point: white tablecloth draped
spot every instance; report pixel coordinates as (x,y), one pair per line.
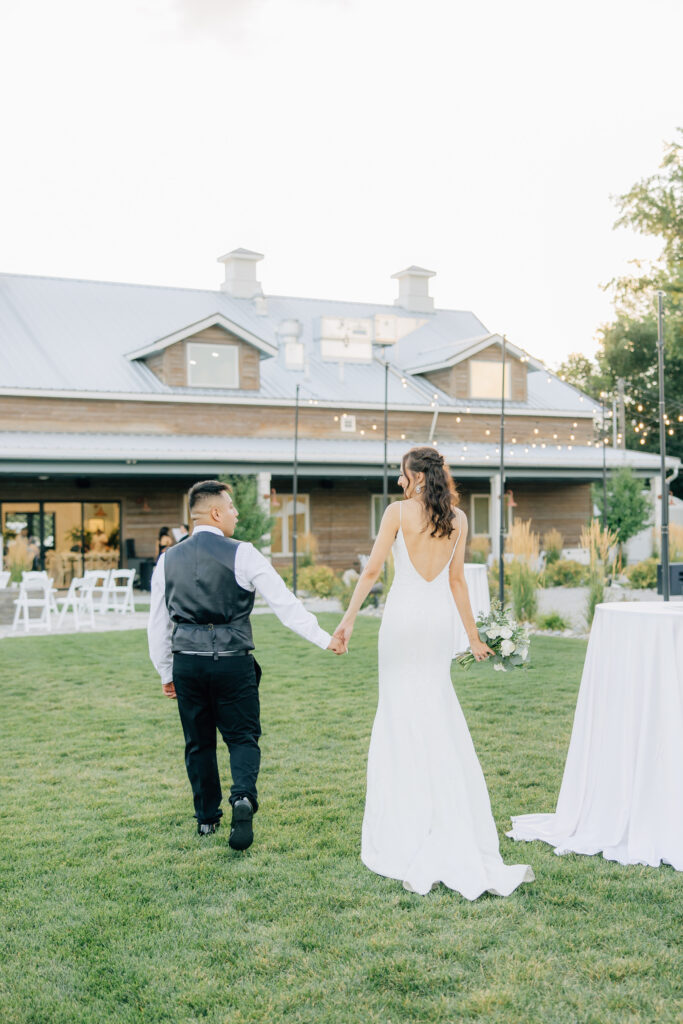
(476,577)
(622,790)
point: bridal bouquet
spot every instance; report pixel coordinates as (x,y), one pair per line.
(509,639)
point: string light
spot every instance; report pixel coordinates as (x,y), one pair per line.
(572,437)
(336,419)
(554,437)
(457,419)
(487,432)
(403,437)
(374,426)
(362,431)
(514,440)
(535,430)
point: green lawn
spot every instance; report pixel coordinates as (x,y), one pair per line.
(112,910)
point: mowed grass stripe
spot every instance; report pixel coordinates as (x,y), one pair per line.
(113,911)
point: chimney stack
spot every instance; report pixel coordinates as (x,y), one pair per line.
(413,289)
(240,274)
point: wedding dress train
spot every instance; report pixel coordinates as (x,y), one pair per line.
(427,814)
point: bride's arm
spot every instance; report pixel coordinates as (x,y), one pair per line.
(461,594)
(380,550)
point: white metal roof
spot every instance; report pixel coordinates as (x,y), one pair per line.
(130,449)
(70,336)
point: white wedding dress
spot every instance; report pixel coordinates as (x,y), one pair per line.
(427,813)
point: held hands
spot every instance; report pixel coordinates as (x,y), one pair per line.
(337,645)
(342,635)
(169,690)
(479,649)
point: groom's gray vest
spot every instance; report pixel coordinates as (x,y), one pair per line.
(209,610)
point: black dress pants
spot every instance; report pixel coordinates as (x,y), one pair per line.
(219,694)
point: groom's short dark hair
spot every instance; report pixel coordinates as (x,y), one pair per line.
(206,489)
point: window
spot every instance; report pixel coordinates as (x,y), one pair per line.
(348,423)
(480,515)
(485,379)
(212,366)
(282,508)
(376,511)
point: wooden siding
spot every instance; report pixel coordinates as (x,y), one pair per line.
(170,366)
(225,419)
(455,380)
(565,507)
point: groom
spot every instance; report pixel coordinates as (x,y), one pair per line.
(200,642)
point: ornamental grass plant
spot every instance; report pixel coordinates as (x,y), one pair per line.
(522,545)
(600,542)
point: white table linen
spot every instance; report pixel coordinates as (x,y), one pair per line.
(622,790)
(476,577)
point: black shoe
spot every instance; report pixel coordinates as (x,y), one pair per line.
(241,831)
(208,829)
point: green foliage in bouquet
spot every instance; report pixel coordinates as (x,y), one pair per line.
(506,637)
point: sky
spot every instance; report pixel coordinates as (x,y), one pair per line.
(344,140)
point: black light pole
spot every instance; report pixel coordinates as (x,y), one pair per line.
(385,484)
(295,486)
(501,539)
(662,449)
(603,441)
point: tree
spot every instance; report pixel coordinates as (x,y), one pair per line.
(581,372)
(254,522)
(628,350)
(628,508)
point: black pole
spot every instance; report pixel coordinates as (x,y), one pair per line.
(603,442)
(385,481)
(385,485)
(501,539)
(662,448)
(295,486)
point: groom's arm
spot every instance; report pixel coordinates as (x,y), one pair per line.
(159,629)
(254,572)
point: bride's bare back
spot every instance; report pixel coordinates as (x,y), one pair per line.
(429,555)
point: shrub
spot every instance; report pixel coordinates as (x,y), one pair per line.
(642,575)
(479,549)
(552,620)
(286,573)
(523,583)
(675,542)
(565,573)
(317,579)
(553,542)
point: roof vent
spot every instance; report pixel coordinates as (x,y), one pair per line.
(413,289)
(240,274)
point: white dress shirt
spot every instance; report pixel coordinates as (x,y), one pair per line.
(252,572)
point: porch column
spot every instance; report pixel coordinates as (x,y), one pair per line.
(263,490)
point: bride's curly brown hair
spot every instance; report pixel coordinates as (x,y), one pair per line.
(440,493)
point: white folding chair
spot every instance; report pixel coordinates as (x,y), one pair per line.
(100,584)
(35,576)
(33,593)
(4,579)
(79,599)
(119,596)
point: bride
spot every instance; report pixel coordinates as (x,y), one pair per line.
(427,813)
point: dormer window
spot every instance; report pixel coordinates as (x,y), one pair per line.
(486,378)
(212,366)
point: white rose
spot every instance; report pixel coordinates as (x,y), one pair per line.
(499,668)
(493,633)
(506,632)
(506,648)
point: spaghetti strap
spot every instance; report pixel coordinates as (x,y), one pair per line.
(456,539)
